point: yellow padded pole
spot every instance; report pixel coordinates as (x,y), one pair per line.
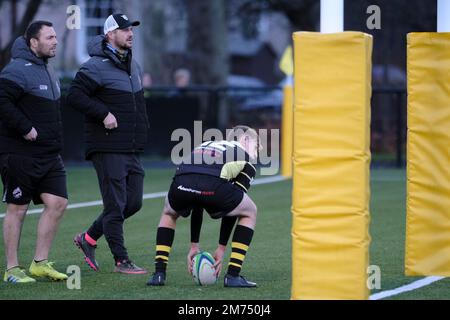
(427,249)
(330,211)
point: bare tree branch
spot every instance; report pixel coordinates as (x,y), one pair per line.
(30,12)
(207,46)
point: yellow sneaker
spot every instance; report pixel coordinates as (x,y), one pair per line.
(17,275)
(45,269)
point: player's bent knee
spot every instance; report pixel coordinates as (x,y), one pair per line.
(169,211)
(168,219)
(253,212)
(251,208)
(170,214)
(253,215)
(254,208)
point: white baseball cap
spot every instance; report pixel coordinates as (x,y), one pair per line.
(118,21)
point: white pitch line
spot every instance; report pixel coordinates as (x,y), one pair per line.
(409,287)
(155,195)
(268,180)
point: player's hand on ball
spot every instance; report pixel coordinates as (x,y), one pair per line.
(110,121)
(218,256)
(195,248)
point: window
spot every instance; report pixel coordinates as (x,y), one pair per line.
(94,14)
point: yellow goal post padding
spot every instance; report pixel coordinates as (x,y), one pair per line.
(331,159)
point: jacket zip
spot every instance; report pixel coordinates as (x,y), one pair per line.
(135,111)
(51,82)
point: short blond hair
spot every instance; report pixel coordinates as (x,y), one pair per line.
(237,132)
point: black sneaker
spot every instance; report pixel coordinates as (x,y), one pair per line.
(157,279)
(87,249)
(128,267)
(237,282)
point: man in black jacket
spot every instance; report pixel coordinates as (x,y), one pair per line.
(30,143)
(108,91)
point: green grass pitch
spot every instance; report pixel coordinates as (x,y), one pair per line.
(268,261)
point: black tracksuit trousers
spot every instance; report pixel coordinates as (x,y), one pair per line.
(121,180)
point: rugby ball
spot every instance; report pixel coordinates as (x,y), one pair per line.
(203,269)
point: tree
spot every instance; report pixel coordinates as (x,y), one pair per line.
(30,12)
(154,35)
(207,41)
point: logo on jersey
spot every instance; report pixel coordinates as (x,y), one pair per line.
(43,87)
(218,150)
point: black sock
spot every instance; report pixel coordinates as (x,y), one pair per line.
(241,240)
(164,241)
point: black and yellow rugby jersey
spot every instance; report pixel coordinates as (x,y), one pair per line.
(225,159)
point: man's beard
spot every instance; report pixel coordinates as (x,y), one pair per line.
(50,55)
(125,46)
(47,55)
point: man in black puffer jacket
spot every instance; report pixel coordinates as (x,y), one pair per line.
(30,143)
(108,91)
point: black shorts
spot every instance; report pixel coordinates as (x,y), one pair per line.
(26,178)
(217,196)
